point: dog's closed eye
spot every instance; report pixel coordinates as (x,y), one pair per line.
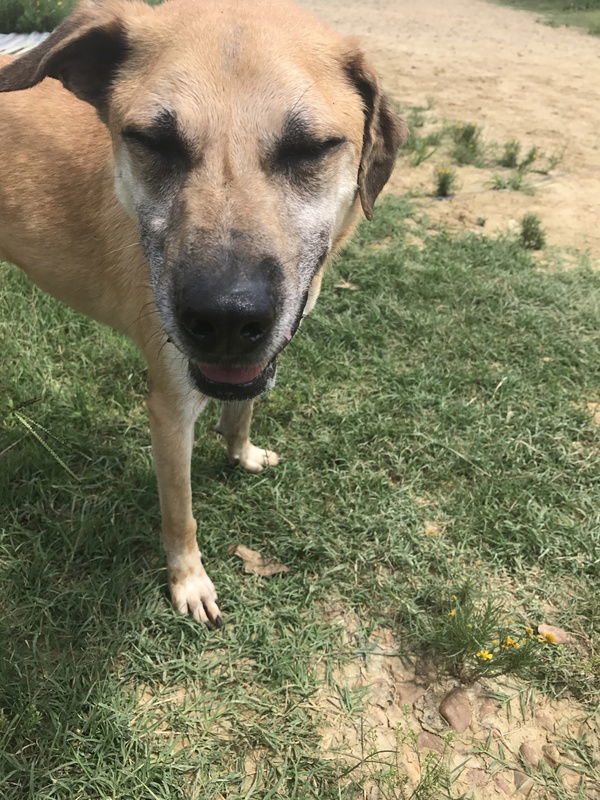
(161,138)
(161,145)
(307,150)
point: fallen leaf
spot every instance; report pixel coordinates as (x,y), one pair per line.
(432,529)
(257,564)
(346,285)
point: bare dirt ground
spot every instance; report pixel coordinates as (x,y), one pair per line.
(501,69)
(518,79)
(504,740)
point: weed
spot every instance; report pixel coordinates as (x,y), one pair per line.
(515,182)
(445,181)
(471,639)
(510,154)
(533,155)
(468,147)
(551,162)
(423,147)
(532,235)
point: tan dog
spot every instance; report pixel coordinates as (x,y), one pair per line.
(220,156)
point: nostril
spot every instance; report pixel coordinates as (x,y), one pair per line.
(199,328)
(252,331)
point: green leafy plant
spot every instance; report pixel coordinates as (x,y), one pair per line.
(533,154)
(24,16)
(532,236)
(468,145)
(472,637)
(515,182)
(445,181)
(510,154)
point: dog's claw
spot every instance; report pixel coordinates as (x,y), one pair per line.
(193,592)
(218,622)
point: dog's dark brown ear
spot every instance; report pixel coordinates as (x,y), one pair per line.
(383,134)
(83,53)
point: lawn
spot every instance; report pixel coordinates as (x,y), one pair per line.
(435,417)
(580,13)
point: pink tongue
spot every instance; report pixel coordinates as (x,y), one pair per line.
(230,374)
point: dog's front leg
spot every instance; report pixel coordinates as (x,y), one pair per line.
(234,426)
(173,409)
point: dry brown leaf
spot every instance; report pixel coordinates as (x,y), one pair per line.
(257,564)
(432,528)
(346,285)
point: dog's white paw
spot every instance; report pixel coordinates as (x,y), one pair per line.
(254,459)
(193,592)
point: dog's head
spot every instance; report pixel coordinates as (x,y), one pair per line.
(245,137)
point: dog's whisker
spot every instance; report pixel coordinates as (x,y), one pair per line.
(124,247)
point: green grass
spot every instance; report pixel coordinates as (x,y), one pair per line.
(450,388)
(580,13)
(514,181)
(468,144)
(532,234)
(444,181)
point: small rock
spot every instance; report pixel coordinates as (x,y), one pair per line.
(551,754)
(426,711)
(477,777)
(408,692)
(503,784)
(413,772)
(455,708)
(529,754)
(430,741)
(560,635)
(488,706)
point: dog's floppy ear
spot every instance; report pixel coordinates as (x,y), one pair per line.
(384,132)
(83,53)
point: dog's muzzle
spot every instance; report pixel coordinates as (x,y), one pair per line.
(241,383)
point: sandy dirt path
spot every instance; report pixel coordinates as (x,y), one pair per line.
(501,69)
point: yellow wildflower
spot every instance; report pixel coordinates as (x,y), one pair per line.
(529,632)
(547,638)
(510,642)
(452,612)
(484,655)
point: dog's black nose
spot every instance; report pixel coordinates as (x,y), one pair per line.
(226,325)
(228,314)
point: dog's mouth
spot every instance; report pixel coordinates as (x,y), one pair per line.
(233,383)
(241,383)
